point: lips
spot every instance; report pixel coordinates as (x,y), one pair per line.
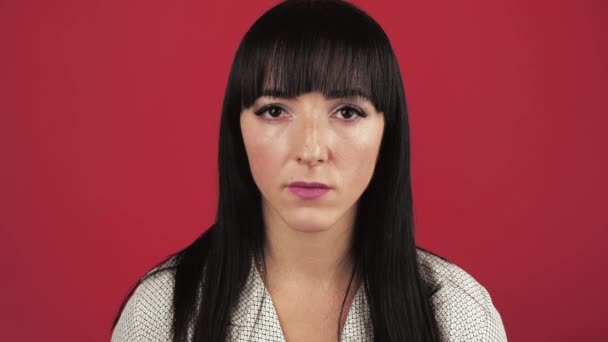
(308,190)
(316,185)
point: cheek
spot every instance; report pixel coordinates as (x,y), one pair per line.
(263,162)
(359,159)
(264,155)
(359,164)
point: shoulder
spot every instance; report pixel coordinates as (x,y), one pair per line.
(148,313)
(463,307)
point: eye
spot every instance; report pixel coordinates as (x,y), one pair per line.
(273,111)
(351,113)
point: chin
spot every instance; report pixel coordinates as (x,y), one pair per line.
(307,218)
(307,222)
(309,228)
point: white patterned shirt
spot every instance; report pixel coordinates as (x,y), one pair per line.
(463,309)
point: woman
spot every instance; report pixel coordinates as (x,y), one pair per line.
(313,239)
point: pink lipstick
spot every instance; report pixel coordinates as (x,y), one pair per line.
(308,190)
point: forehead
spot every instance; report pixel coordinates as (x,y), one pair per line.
(336,70)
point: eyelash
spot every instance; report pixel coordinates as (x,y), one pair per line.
(358,113)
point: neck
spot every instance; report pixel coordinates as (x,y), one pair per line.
(321,258)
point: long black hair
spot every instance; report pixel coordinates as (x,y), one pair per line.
(299,46)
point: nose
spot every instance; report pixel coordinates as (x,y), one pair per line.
(311,147)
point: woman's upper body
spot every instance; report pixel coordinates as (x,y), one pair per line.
(314,172)
(463,309)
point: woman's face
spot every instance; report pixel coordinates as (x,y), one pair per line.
(311,138)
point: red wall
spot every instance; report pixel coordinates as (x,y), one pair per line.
(108,139)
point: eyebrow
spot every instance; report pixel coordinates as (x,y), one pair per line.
(354,94)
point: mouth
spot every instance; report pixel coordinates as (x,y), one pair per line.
(308,190)
(308,193)
(309,185)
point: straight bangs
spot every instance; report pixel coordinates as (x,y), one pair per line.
(321,47)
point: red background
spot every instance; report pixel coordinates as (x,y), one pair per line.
(108,142)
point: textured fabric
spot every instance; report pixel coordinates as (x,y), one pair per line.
(463,309)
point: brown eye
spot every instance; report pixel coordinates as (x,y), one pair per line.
(350,113)
(273,111)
